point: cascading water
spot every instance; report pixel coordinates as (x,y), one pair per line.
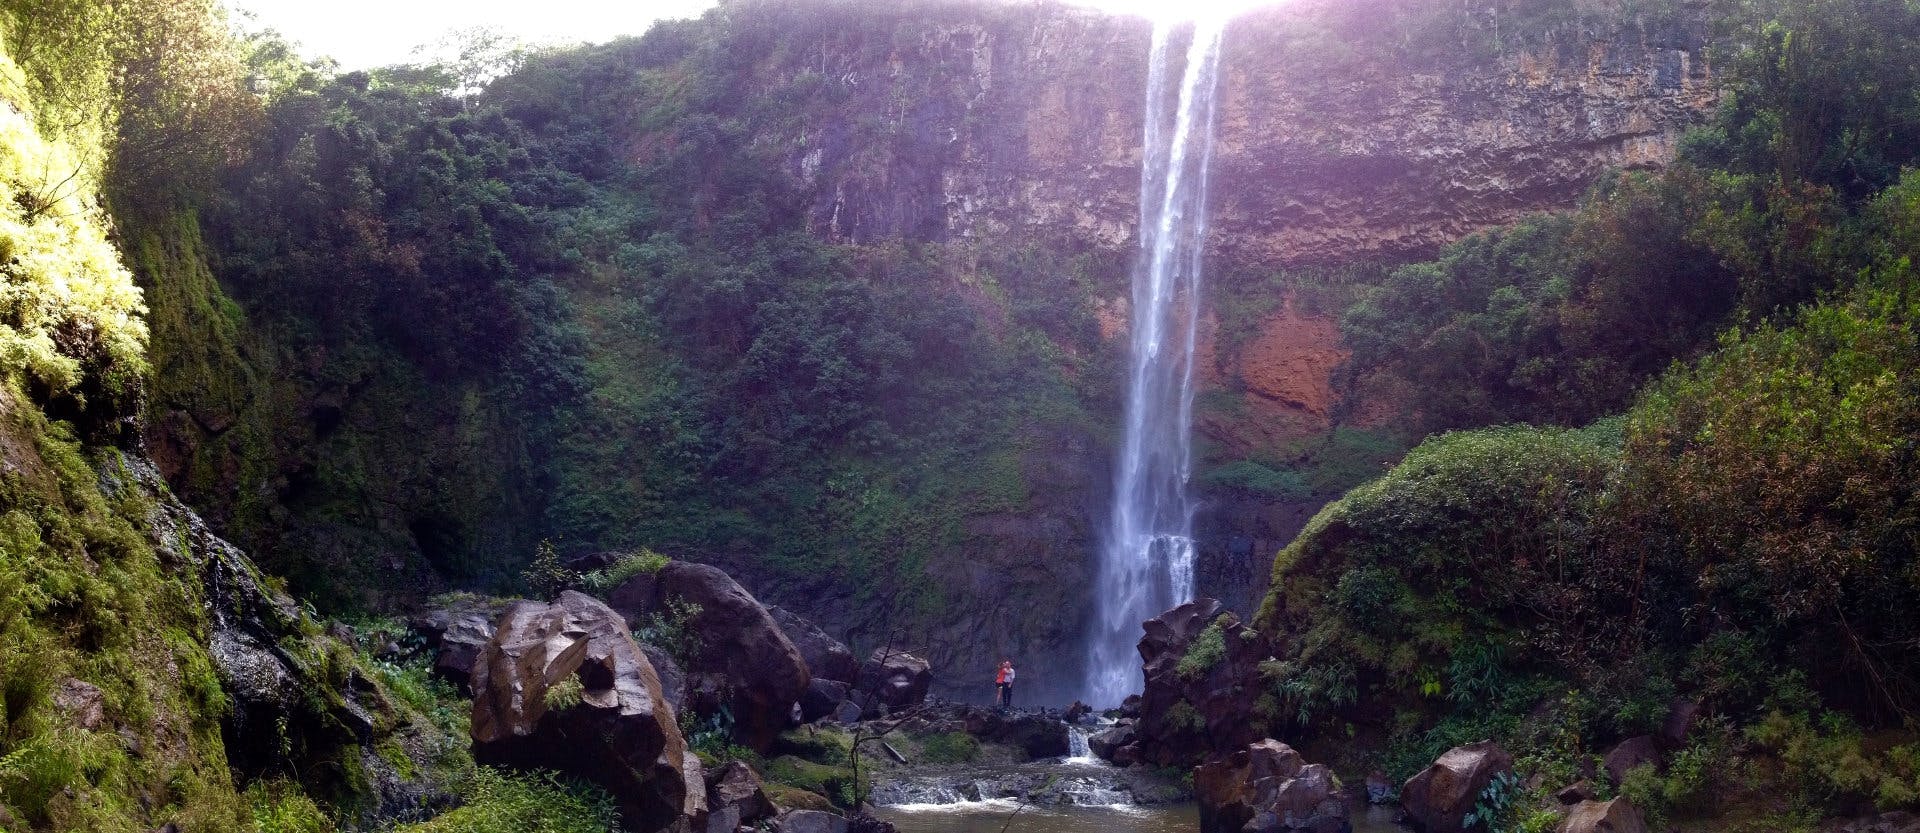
(1146,556)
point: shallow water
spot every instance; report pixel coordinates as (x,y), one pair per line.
(993,816)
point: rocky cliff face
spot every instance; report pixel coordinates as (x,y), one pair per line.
(1342,139)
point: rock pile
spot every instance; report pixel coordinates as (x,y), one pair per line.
(1267,787)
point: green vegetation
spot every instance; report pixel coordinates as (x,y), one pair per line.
(1206,651)
(500,802)
(949,748)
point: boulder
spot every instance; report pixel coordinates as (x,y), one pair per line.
(811,821)
(83,704)
(1105,742)
(1616,816)
(616,730)
(1076,711)
(1576,792)
(1630,754)
(1127,755)
(673,681)
(456,632)
(822,699)
(826,657)
(1267,786)
(763,673)
(1440,796)
(1038,735)
(737,789)
(1682,716)
(1186,719)
(847,713)
(897,679)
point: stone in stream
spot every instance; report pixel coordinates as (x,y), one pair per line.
(1616,816)
(1438,799)
(1105,742)
(1268,787)
(743,654)
(615,731)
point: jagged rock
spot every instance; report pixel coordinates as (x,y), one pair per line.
(1105,742)
(1576,792)
(1616,816)
(811,821)
(823,698)
(1630,754)
(897,679)
(83,704)
(1076,711)
(620,735)
(1440,796)
(1184,719)
(1268,787)
(764,675)
(736,788)
(724,820)
(826,657)
(456,633)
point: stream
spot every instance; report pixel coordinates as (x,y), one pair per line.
(1075,794)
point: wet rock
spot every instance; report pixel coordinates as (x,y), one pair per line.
(826,657)
(1267,786)
(822,699)
(1616,816)
(81,703)
(1185,719)
(456,633)
(735,788)
(1630,754)
(616,731)
(1076,711)
(764,674)
(1440,796)
(811,821)
(1108,741)
(897,679)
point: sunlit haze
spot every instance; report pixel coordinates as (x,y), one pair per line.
(340,29)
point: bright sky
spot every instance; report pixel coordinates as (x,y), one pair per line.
(368,33)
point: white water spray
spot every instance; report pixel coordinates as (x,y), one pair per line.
(1146,556)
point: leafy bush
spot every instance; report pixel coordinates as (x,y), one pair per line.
(602,582)
(1208,648)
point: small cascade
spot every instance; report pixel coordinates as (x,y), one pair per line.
(1079,752)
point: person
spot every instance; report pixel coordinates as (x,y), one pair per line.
(1004,683)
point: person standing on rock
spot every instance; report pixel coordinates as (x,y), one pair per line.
(1003,683)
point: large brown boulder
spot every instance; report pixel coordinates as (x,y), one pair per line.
(895,678)
(609,724)
(1616,816)
(1439,798)
(739,643)
(827,658)
(1204,713)
(1267,786)
(1629,755)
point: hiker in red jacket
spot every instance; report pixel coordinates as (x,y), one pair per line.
(1003,685)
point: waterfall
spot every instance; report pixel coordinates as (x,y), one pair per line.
(1146,554)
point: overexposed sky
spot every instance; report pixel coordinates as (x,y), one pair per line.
(369,33)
